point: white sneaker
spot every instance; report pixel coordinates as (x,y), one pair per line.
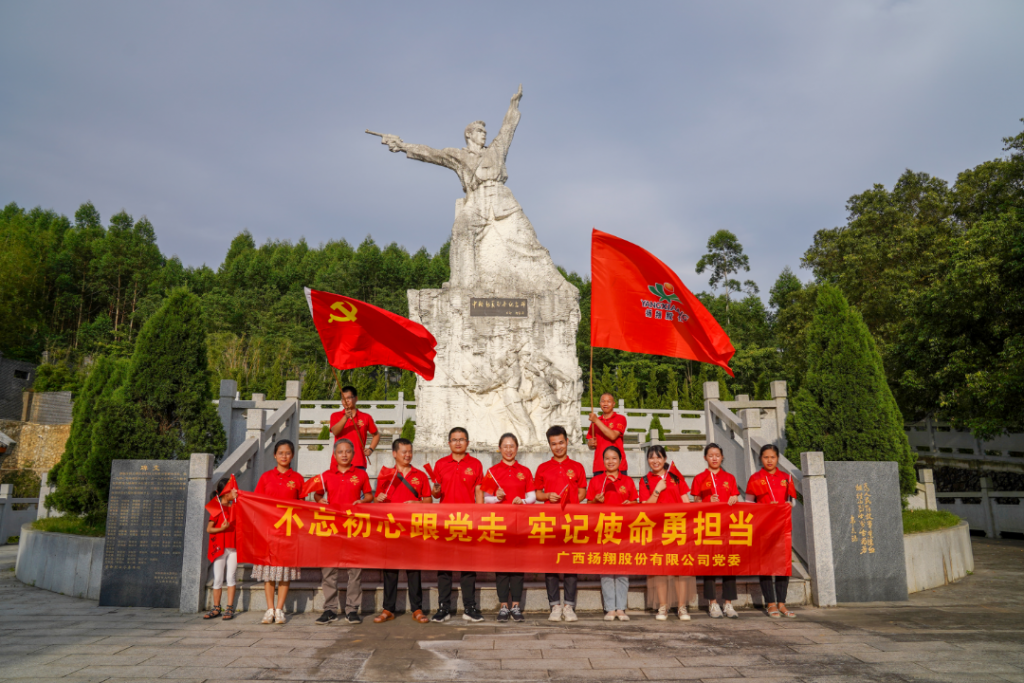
(730,612)
(683,614)
(662,613)
(279,616)
(556,613)
(610,616)
(568,613)
(714,611)
(268,617)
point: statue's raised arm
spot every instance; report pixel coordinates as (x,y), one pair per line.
(503,139)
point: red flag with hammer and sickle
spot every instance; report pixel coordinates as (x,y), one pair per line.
(356,334)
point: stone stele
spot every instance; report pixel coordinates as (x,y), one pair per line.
(506,321)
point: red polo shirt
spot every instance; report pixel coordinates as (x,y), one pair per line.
(705,486)
(355,430)
(515,480)
(399,492)
(222,541)
(552,476)
(615,492)
(281,485)
(771,488)
(345,488)
(672,494)
(459,479)
(616,423)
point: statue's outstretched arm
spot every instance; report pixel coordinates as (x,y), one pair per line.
(441,157)
(508,127)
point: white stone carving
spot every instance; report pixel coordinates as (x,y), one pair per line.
(495,374)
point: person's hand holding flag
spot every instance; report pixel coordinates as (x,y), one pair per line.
(314,485)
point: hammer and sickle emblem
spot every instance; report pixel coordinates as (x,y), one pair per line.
(348,314)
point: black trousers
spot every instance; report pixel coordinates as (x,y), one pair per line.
(551,583)
(728,587)
(391,590)
(510,586)
(444,590)
(773,587)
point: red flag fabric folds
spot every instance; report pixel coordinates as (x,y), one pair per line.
(638,304)
(356,334)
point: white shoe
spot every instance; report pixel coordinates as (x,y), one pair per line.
(683,614)
(610,616)
(730,612)
(279,616)
(623,616)
(568,613)
(662,613)
(268,617)
(714,611)
(556,613)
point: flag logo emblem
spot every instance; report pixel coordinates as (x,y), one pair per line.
(665,292)
(348,314)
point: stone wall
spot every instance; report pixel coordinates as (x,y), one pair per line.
(39,447)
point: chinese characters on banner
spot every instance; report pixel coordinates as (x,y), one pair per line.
(691,539)
(861,524)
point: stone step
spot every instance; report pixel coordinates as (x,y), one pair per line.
(305,595)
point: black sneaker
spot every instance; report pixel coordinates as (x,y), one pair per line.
(441,615)
(327,617)
(517,614)
(503,614)
(472,614)
(353,618)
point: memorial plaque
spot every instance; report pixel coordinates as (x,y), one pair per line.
(867,531)
(504,308)
(145,533)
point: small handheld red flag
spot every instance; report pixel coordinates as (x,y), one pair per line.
(430,473)
(214,507)
(490,485)
(563,497)
(314,485)
(389,474)
(638,304)
(356,334)
(674,471)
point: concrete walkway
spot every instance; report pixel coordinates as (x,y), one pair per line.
(972,631)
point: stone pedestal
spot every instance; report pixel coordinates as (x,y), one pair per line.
(506,349)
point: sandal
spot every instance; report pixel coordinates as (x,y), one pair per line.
(774,614)
(787,613)
(229,613)
(212,614)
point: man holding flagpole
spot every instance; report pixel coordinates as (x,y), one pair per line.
(354,425)
(606,430)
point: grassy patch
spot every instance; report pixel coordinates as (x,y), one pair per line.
(916,521)
(69,525)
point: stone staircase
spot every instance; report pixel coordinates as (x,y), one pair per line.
(304,595)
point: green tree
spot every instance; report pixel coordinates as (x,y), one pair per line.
(725,257)
(844,407)
(409,430)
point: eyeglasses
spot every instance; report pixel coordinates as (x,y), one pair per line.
(457,440)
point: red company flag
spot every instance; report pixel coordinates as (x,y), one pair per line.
(638,304)
(356,334)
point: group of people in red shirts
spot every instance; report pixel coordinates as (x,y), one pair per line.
(460,478)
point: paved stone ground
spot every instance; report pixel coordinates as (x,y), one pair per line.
(972,631)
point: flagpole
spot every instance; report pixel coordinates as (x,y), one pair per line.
(591,378)
(337,378)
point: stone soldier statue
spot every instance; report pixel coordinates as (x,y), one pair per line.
(492,239)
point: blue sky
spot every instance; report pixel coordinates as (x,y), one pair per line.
(658,122)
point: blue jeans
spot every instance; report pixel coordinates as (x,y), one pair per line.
(614,591)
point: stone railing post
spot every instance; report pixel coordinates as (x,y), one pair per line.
(710,394)
(255,423)
(225,403)
(193,560)
(751,421)
(6,492)
(778,393)
(293,392)
(986,507)
(818,527)
(928,479)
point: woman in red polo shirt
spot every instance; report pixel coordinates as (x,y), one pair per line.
(613,488)
(659,487)
(773,486)
(282,483)
(715,485)
(514,484)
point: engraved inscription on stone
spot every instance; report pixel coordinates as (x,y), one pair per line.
(503,308)
(145,533)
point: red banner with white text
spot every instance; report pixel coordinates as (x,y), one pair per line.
(688,539)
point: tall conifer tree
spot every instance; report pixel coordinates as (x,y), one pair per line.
(844,407)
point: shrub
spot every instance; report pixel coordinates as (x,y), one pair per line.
(409,430)
(916,521)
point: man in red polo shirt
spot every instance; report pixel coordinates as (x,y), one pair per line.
(459,477)
(354,425)
(345,486)
(606,430)
(557,477)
